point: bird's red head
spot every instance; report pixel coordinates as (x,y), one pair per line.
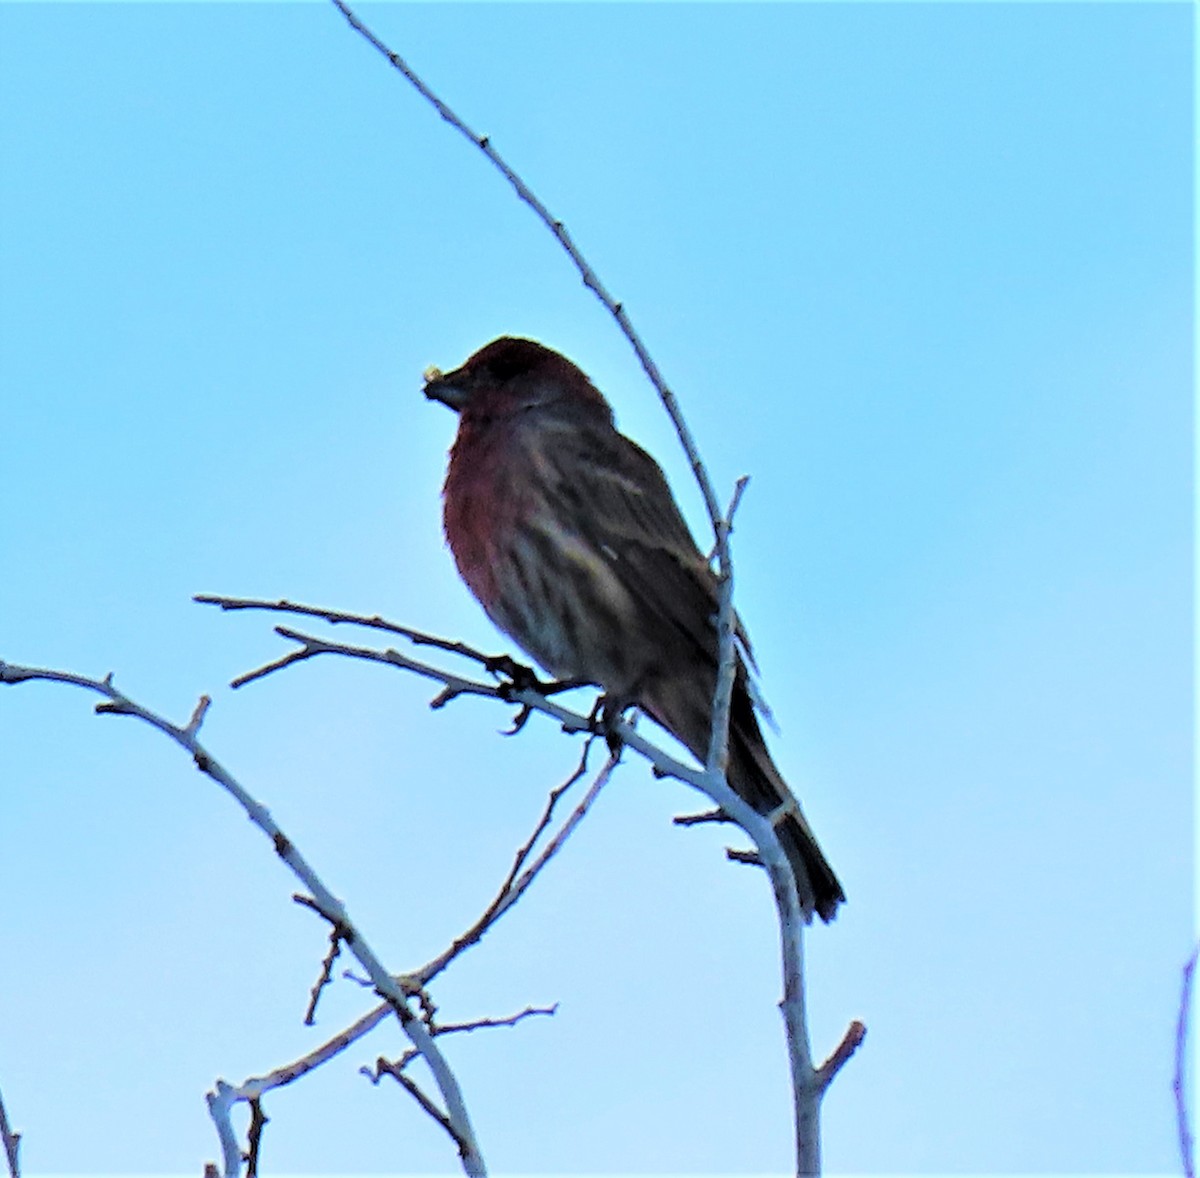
(511,376)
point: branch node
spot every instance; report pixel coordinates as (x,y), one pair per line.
(753,858)
(856,1032)
(198,715)
(717,815)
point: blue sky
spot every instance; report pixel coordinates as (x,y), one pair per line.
(923,271)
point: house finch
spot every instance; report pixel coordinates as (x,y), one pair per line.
(567,533)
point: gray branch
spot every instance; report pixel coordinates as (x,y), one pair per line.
(808,1083)
(1180,1080)
(222,1099)
(11,1142)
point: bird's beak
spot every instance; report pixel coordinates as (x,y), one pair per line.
(449,388)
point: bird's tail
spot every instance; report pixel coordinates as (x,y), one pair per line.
(754,777)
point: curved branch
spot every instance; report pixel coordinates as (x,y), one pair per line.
(590,279)
(337,617)
(330,907)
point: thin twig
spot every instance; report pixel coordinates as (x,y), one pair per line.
(480,1024)
(477,1025)
(510,891)
(385,1067)
(335,948)
(311,646)
(258,1122)
(700,819)
(736,855)
(515,885)
(282,1076)
(1179,1084)
(340,617)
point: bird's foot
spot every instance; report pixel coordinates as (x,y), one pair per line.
(604,717)
(517,677)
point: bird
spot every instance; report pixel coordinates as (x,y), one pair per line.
(567,533)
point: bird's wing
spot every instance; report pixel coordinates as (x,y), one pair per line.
(632,522)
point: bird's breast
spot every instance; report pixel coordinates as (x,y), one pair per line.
(519,548)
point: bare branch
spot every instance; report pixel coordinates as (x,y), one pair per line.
(476,1025)
(385,1067)
(517,882)
(699,819)
(510,891)
(310,645)
(856,1032)
(327,904)
(718,741)
(739,489)
(258,1121)
(220,1107)
(193,725)
(12,1143)
(483,1023)
(295,656)
(335,948)
(712,782)
(339,617)
(752,858)
(1179,1084)
(280,1077)
(590,279)
(769,854)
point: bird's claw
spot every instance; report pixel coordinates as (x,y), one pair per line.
(604,717)
(517,677)
(518,721)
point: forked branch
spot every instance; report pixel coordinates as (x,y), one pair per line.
(222,1099)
